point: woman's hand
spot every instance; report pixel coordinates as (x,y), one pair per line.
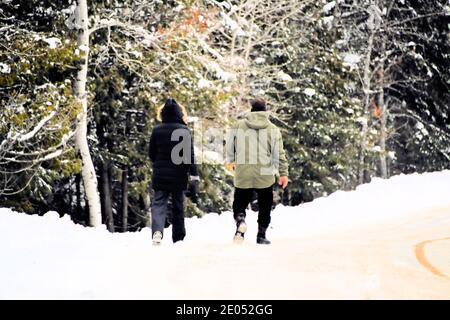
(194,188)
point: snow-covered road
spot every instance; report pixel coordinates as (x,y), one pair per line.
(386,261)
(386,240)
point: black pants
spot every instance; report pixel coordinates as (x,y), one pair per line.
(159,212)
(242,198)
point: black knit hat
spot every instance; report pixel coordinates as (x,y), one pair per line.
(171,112)
(258,105)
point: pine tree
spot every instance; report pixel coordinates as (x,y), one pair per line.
(321,117)
(37,108)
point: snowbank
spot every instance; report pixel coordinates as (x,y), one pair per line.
(376,202)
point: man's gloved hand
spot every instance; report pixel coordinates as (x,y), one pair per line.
(283,181)
(230,166)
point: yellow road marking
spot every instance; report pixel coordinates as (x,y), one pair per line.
(420,256)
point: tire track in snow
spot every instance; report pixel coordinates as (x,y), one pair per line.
(423,260)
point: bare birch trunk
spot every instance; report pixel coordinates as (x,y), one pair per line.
(88,170)
(365,124)
(373,24)
(383,117)
(383,122)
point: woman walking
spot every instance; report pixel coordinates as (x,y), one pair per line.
(172,153)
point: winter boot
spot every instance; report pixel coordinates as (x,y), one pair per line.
(261,237)
(241,228)
(157,238)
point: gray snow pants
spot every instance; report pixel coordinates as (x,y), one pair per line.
(159,213)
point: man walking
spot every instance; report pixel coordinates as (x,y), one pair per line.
(255,151)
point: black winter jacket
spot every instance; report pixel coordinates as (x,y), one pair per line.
(171,173)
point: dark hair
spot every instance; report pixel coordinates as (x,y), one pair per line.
(258,105)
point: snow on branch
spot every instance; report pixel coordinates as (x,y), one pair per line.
(62,144)
(13,138)
(149,38)
(37,128)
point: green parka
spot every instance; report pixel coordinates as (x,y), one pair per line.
(255,145)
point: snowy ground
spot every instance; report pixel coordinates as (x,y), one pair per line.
(388,239)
